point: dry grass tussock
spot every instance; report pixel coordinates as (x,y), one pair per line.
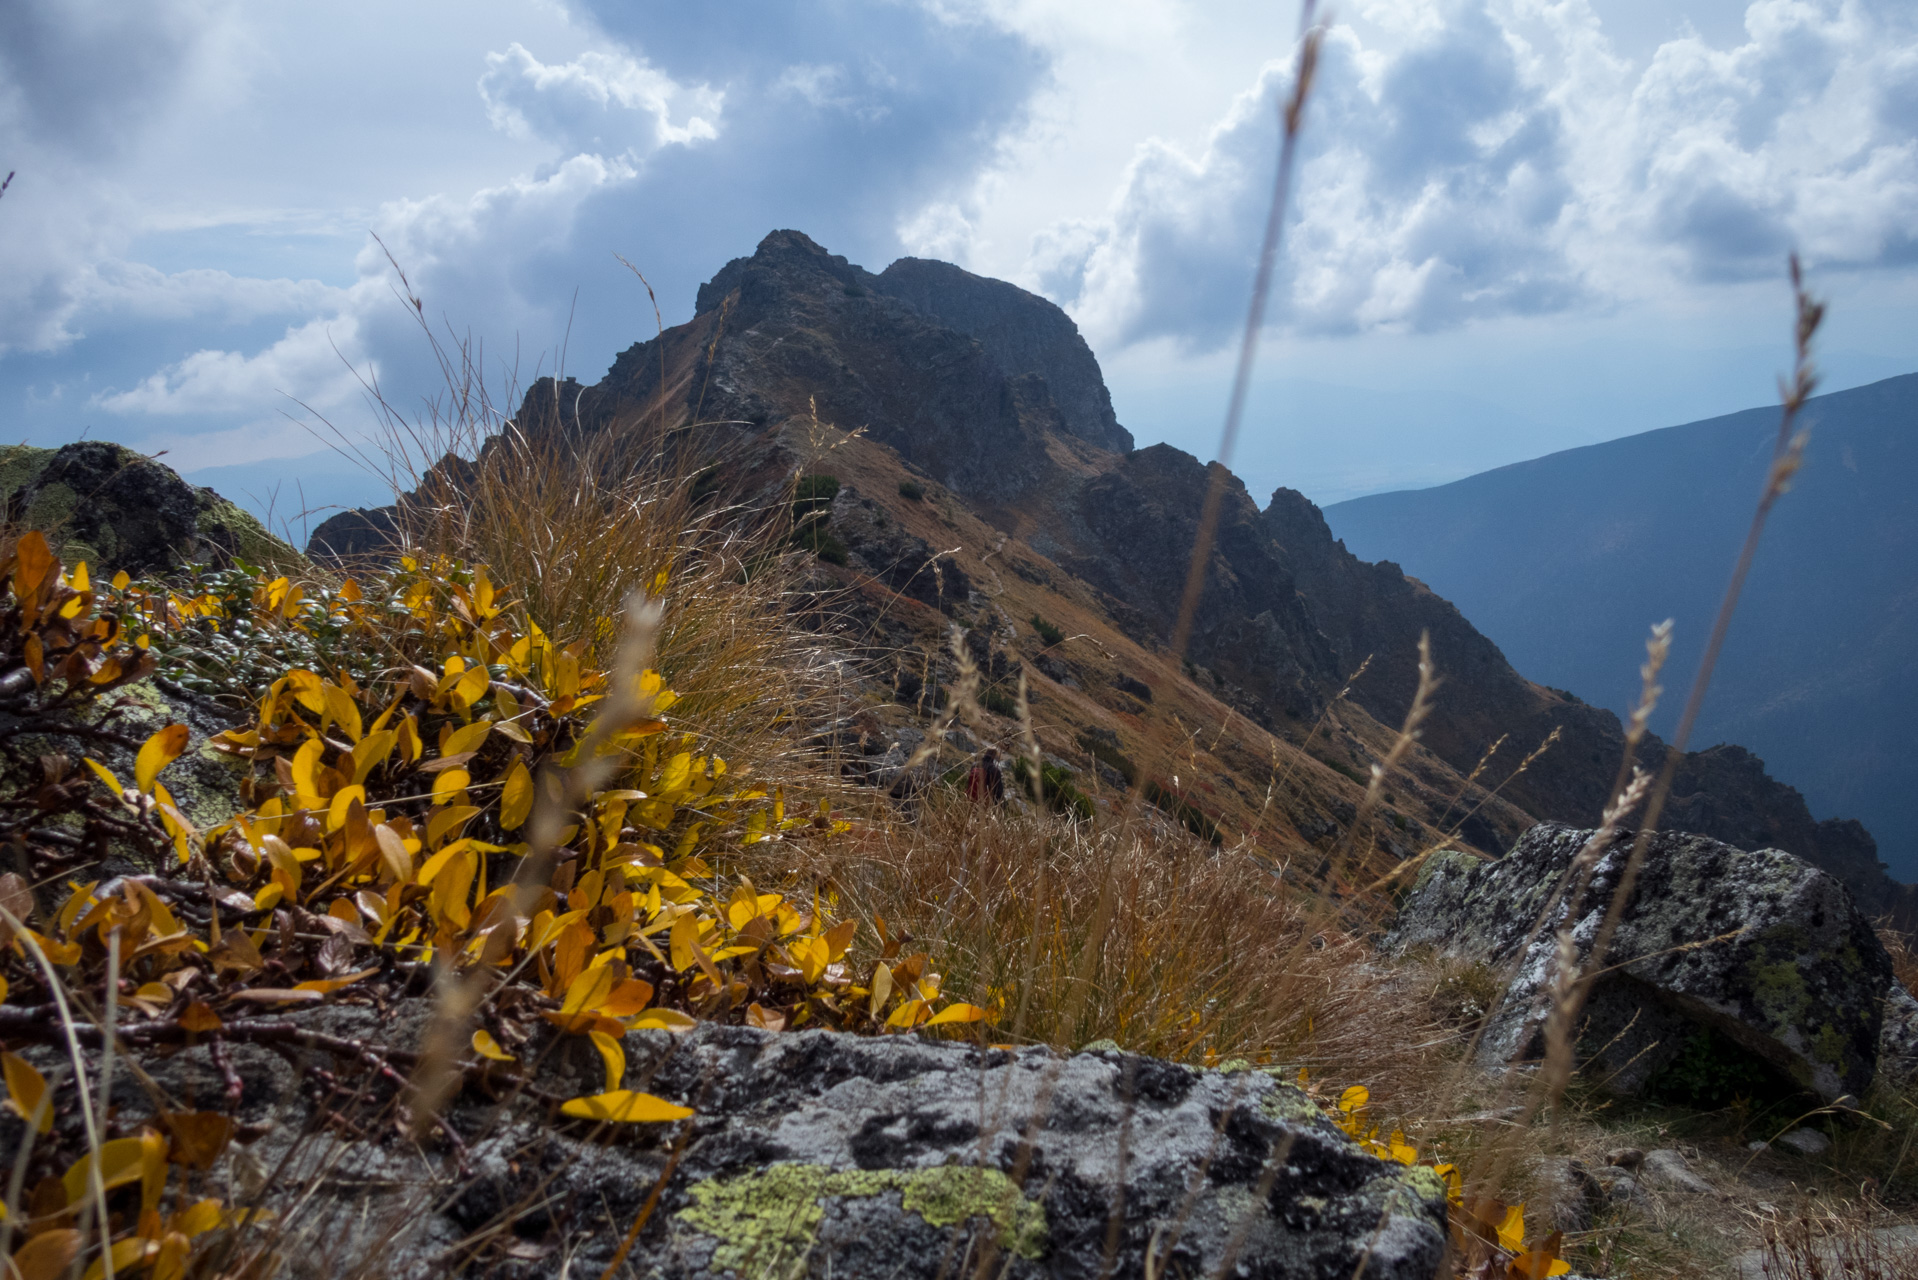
(1134,933)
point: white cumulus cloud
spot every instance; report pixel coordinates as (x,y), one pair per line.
(1501,159)
(603,102)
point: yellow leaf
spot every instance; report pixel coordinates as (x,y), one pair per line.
(200,1219)
(27,1092)
(684,937)
(839,937)
(812,955)
(881,987)
(153,1149)
(78,579)
(398,863)
(159,751)
(516,797)
(626,1106)
(1511,1230)
(663,1020)
(371,751)
(343,800)
(467,738)
(626,999)
(487,1047)
(125,1254)
(957,1013)
(36,561)
(437,863)
(121,1161)
(1354,1099)
(448,820)
(342,710)
(308,688)
(589,990)
(470,687)
(306,773)
(907,1014)
(105,775)
(615,1058)
(121,581)
(450,889)
(449,784)
(678,772)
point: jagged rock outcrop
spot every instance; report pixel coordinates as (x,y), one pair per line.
(117,509)
(1023,332)
(1800,983)
(1141,520)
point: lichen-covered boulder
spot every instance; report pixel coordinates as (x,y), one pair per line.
(825,1154)
(1759,948)
(814,1153)
(117,509)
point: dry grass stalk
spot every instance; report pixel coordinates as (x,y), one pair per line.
(1788,452)
(1292,113)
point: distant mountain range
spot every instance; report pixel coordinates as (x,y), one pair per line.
(1564,561)
(992,487)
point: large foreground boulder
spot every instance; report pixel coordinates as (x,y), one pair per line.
(810,1154)
(1720,954)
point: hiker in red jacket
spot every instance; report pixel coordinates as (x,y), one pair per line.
(985,782)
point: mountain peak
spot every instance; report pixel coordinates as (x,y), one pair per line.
(785,261)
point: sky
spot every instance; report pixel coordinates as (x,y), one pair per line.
(1519,225)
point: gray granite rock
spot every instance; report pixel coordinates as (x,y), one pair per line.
(1898,1040)
(1669,1170)
(1799,983)
(1806,1142)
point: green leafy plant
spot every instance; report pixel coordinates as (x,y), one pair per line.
(1047,632)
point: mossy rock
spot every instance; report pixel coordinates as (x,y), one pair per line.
(117,509)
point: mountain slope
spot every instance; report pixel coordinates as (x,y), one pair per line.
(1566,559)
(962,491)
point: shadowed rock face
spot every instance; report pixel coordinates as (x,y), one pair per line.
(1252,625)
(1801,984)
(1023,332)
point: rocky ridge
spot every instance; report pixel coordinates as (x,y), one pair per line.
(989,393)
